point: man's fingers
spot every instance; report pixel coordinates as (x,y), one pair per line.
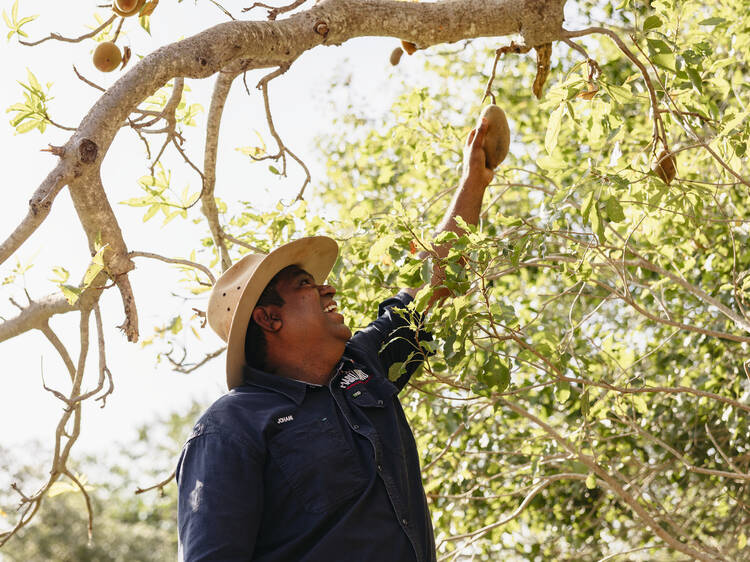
(481,131)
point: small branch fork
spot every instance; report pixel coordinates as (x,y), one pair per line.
(159,485)
(282,148)
(273,12)
(69,425)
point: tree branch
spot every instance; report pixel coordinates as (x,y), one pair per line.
(58,37)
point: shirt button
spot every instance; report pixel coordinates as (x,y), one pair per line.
(405,522)
(380,402)
(380,468)
(355,426)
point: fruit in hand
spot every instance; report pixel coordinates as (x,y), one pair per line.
(107,56)
(127,8)
(664,167)
(497,138)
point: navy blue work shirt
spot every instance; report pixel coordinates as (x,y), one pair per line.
(280,470)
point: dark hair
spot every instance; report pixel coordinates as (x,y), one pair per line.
(255,339)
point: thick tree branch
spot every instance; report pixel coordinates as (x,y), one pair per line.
(213,123)
(35,315)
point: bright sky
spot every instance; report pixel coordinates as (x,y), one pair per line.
(302,109)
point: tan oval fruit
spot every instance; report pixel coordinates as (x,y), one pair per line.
(126,8)
(107,56)
(665,167)
(497,138)
(396,56)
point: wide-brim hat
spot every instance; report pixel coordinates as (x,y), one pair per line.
(237,291)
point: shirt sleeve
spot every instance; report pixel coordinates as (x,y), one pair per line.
(393,340)
(220,499)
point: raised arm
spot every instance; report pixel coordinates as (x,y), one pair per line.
(466,203)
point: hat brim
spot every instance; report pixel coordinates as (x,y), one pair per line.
(315,254)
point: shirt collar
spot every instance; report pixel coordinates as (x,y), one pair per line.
(293,389)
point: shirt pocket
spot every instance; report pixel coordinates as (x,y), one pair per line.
(319,464)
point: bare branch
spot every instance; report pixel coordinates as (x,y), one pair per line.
(188,263)
(658,134)
(208,201)
(89,509)
(283,150)
(239,242)
(185,368)
(35,315)
(130,325)
(58,37)
(85,80)
(158,485)
(39,207)
(273,12)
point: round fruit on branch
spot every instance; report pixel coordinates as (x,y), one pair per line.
(126,8)
(107,56)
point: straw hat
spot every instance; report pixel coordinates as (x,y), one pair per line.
(236,292)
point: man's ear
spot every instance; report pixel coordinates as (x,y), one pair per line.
(268,318)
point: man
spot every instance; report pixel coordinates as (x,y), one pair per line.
(309,456)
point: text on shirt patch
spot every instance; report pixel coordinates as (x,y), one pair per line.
(284,419)
(352,378)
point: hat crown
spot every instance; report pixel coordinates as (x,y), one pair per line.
(227,292)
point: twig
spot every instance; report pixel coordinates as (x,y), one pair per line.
(239,242)
(130,324)
(223,9)
(283,150)
(159,485)
(273,12)
(179,261)
(87,81)
(86,497)
(658,133)
(58,37)
(185,368)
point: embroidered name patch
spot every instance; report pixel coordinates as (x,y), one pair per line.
(284,419)
(353,378)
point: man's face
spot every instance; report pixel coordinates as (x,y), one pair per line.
(309,310)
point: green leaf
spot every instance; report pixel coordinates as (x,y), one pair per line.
(553,129)
(695,78)
(381,247)
(563,393)
(152,210)
(591,481)
(274,170)
(587,206)
(597,225)
(652,22)
(396,370)
(614,210)
(71,293)
(712,21)
(495,374)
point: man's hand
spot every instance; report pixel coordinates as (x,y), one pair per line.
(475,173)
